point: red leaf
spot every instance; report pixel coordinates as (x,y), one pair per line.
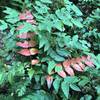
(34,51)
(31,21)
(26,15)
(89,57)
(73,61)
(20,27)
(69,70)
(22,16)
(81,65)
(28,52)
(83,58)
(78,60)
(77,67)
(29,15)
(66,63)
(59,65)
(62,74)
(25,52)
(34,61)
(49,80)
(26,44)
(89,63)
(25,35)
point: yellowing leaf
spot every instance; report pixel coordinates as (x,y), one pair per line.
(34,51)
(34,61)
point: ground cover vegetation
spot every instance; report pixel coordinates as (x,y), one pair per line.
(50,50)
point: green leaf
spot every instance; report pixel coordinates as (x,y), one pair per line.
(42,41)
(11,75)
(46,1)
(74,87)
(12,20)
(75,38)
(46,24)
(3,25)
(55,56)
(21,90)
(12,15)
(63,52)
(71,79)
(2,77)
(76,10)
(77,23)
(37,78)
(30,73)
(67,40)
(11,12)
(41,8)
(84,81)
(27,27)
(10,44)
(47,46)
(60,42)
(67,22)
(97,61)
(98,98)
(18,1)
(86,97)
(51,66)
(38,95)
(98,89)
(65,16)
(42,80)
(58,69)
(56,84)
(65,88)
(59,25)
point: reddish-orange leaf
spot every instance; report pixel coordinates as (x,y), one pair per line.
(34,51)
(26,44)
(49,80)
(34,61)
(69,70)
(20,27)
(83,58)
(66,63)
(78,60)
(77,67)
(88,57)
(25,52)
(59,65)
(28,52)
(29,15)
(62,74)
(89,63)
(73,61)
(26,15)
(22,16)
(31,21)
(81,65)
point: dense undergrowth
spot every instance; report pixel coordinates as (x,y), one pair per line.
(50,50)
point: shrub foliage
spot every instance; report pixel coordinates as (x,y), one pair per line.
(50,50)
